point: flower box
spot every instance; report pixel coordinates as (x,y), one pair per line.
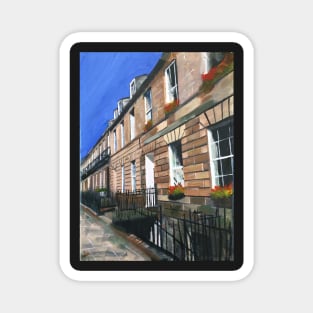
(222,196)
(147,126)
(176,192)
(171,106)
(223,202)
(176,196)
(217,72)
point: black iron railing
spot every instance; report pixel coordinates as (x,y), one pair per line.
(196,237)
(142,198)
(98,162)
(98,201)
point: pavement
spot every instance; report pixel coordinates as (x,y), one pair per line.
(101,241)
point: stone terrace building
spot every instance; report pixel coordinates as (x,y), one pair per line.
(176,127)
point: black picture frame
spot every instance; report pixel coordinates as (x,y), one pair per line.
(75,51)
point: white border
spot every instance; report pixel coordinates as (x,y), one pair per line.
(64,179)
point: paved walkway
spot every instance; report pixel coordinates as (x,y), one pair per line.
(100,242)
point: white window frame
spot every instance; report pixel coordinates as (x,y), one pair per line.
(175,164)
(132,124)
(171,90)
(133,174)
(114,140)
(215,158)
(148,104)
(122,134)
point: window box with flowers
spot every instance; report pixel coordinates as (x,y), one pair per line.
(102,191)
(176,192)
(147,126)
(171,106)
(222,196)
(217,72)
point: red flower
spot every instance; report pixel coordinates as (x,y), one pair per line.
(176,189)
(148,125)
(169,107)
(210,75)
(219,192)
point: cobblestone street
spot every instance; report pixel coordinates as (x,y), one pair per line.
(99,242)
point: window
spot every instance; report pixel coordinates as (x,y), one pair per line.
(100,180)
(122,135)
(171,82)
(176,163)
(115,113)
(132,88)
(109,140)
(148,105)
(132,124)
(123,179)
(210,59)
(103,179)
(115,140)
(133,175)
(221,150)
(120,107)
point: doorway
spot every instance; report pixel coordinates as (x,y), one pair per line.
(149,164)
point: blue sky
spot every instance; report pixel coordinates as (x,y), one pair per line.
(104,79)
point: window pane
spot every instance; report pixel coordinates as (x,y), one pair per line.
(228,179)
(148,101)
(214,134)
(216,58)
(177,154)
(231,131)
(174,92)
(149,116)
(223,132)
(224,148)
(178,175)
(172,75)
(226,166)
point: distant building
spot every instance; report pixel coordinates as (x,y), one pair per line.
(176,127)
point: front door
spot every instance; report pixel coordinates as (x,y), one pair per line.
(150,192)
(149,170)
